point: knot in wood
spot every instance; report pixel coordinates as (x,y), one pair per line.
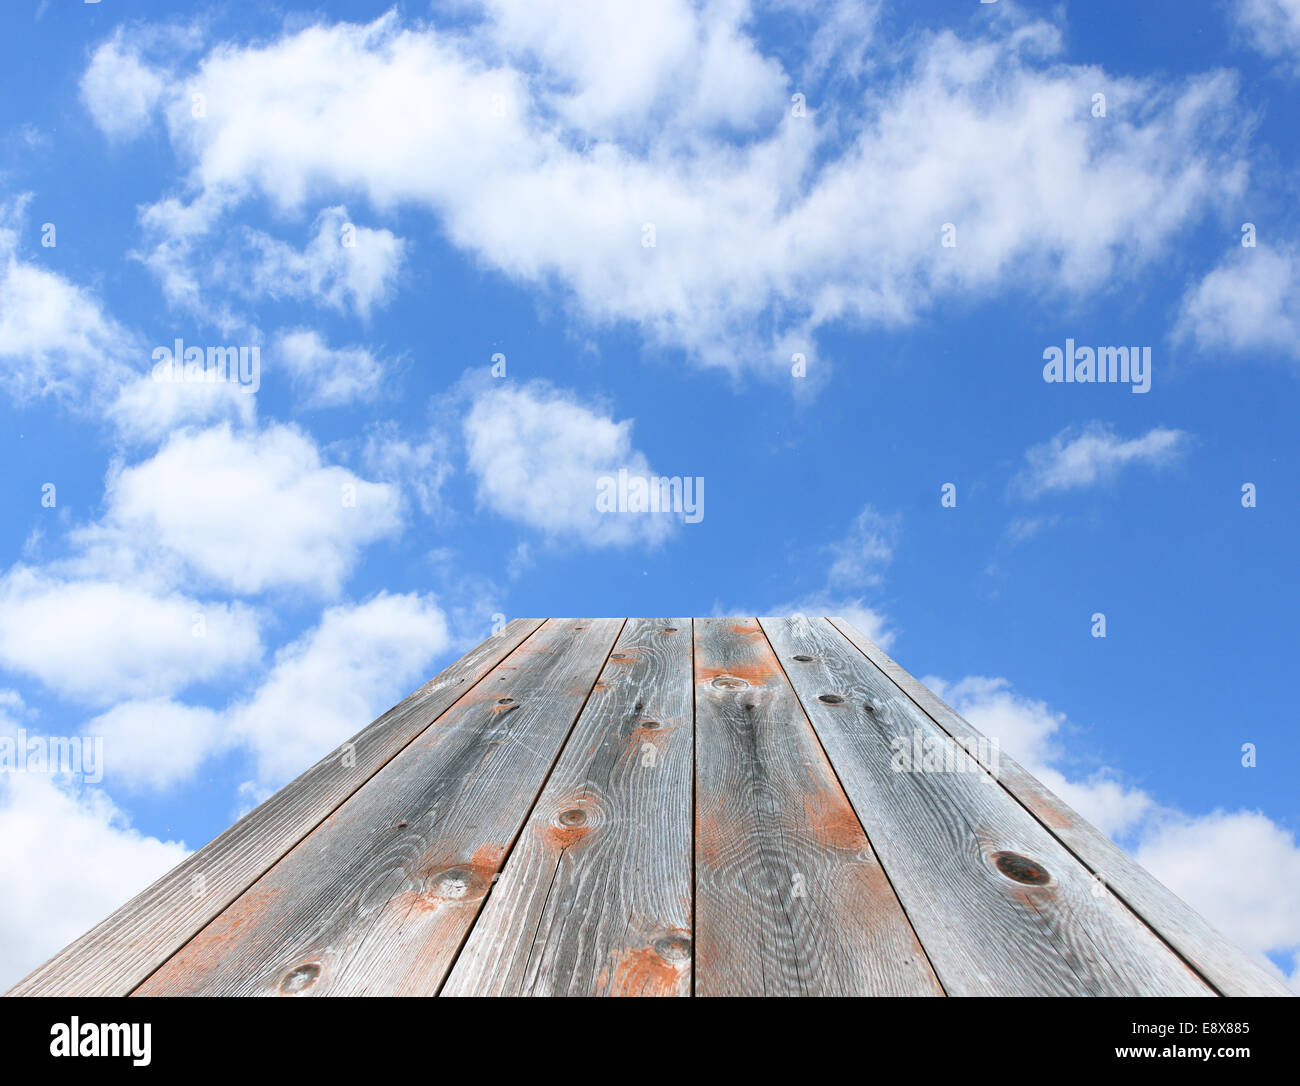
(454,883)
(300,978)
(1021,868)
(673,948)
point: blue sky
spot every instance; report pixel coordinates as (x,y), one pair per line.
(223,584)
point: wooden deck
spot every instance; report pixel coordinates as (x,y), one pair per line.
(666,806)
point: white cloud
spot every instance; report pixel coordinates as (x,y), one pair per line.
(326,376)
(343,266)
(12,710)
(1077,458)
(855,610)
(1030,732)
(861,555)
(250,511)
(840,39)
(569,133)
(537,454)
(146,410)
(55,337)
(1026,728)
(1271,26)
(120,91)
(1250,302)
(173,231)
(334,680)
(1023,529)
(96,640)
(155,743)
(670,61)
(1239,869)
(321,689)
(858,561)
(419,468)
(69,860)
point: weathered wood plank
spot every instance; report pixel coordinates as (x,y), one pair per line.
(378,899)
(790,898)
(118,953)
(595,898)
(1001,907)
(1225,966)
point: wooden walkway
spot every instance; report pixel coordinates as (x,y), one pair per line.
(666,806)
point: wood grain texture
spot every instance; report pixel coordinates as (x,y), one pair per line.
(379,898)
(667,807)
(1000,905)
(790,897)
(595,898)
(123,949)
(1227,968)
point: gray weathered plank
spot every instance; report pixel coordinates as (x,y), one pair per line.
(1001,907)
(790,898)
(1225,966)
(118,953)
(378,899)
(595,898)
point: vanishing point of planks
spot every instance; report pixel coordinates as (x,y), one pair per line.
(675,806)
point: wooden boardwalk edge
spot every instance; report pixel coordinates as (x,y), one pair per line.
(123,950)
(635,806)
(379,898)
(1223,965)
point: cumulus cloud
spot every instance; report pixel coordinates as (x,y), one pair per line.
(56,338)
(1249,303)
(1272,27)
(69,858)
(11,708)
(97,640)
(1077,458)
(857,561)
(250,511)
(155,743)
(1031,733)
(334,680)
(670,63)
(121,91)
(145,411)
(344,266)
(327,376)
(537,455)
(1240,869)
(860,556)
(320,689)
(418,467)
(571,137)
